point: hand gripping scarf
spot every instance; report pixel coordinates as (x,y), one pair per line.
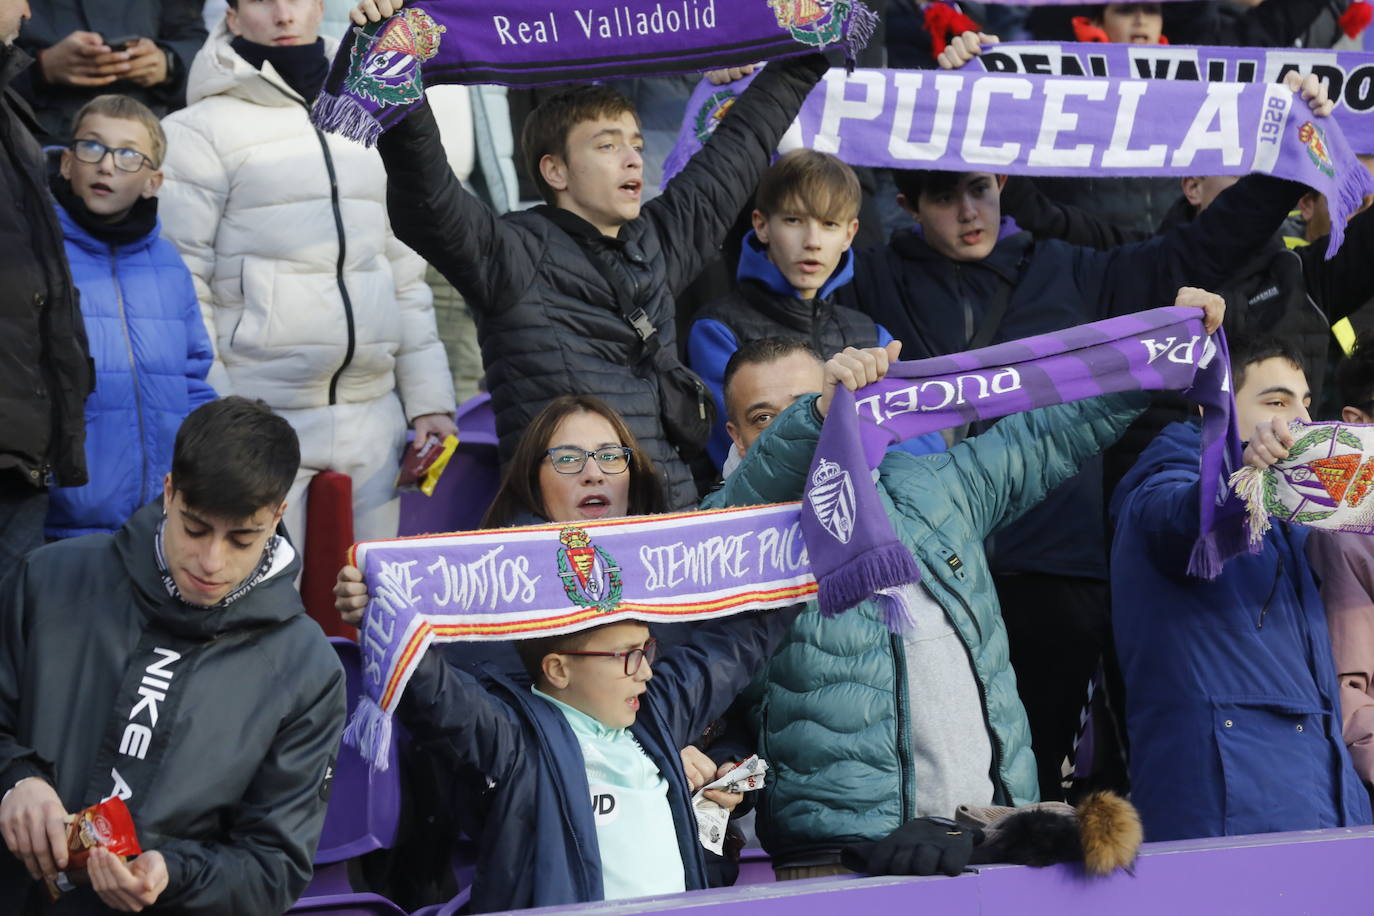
(1349,74)
(837,544)
(1324,482)
(381,71)
(963,120)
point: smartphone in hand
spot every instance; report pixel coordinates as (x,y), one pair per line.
(121,44)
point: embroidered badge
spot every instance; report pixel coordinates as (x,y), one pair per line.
(832,499)
(1315,139)
(708,116)
(385,65)
(813,22)
(590,576)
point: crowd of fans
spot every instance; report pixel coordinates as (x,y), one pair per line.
(208,302)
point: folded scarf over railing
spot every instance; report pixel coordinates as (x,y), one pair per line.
(963,120)
(1325,482)
(1349,74)
(381,71)
(836,544)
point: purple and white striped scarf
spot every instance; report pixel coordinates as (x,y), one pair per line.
(1071,126)
(854,552)
(837,544)
(381,71)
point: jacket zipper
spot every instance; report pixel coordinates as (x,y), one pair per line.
(343,248)
(133,371)
(338,268)
(1273,590)
(903,727)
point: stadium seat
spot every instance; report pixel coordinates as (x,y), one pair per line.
(468,483)
(363,814)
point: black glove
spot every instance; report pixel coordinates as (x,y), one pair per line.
(923,846)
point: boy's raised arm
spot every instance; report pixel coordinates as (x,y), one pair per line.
(701,203)
(447,226)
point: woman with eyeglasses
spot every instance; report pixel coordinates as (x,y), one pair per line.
(577,460)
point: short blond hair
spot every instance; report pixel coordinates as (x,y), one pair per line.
(814,183)
(126,109)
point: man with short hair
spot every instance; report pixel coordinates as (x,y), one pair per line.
(1232,701)
(867,730)
(171,664)
(45,371)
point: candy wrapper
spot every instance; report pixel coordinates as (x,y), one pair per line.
(711,817)
(420,468)
(107,824)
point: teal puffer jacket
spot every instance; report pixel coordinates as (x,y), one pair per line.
(829,710)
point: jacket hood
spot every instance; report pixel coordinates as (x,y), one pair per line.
(754,265)
(271,601)
(219,70)
(1178,445)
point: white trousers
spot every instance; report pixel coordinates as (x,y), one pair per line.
(365,442)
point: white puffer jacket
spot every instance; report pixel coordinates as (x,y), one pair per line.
(308,297)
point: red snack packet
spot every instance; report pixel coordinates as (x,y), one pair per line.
(107,824)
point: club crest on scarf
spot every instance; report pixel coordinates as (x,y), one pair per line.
(1315,139)
(709,113)
(590,576)
(821,23)
(387,56)
(832,499)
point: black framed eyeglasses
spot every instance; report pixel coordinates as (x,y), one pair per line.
(569,459)
(125,159)
(633,657)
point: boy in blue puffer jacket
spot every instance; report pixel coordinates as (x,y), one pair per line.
(147,337)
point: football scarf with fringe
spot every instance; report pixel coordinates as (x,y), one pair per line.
(382,70)
(836,545)
(1349,74)
(1325,482)
(1020,124)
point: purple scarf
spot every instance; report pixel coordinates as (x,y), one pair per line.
(1069,126)
(1349,74)
(854,552)
(838,544)
(381,71)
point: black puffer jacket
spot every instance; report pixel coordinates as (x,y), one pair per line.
(176,25)
(546,317)
(45,366)
(934,305)
(255,708)
(1291,292)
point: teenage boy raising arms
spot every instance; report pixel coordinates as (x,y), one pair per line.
(577,296)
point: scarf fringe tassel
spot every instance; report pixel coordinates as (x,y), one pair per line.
(880,573)
(858,31)
(369,733)
(345,115)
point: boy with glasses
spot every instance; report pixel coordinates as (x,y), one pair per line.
(577,791)
(147,338)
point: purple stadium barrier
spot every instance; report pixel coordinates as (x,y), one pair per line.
(468,483)
(347,905)
(1280,874)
